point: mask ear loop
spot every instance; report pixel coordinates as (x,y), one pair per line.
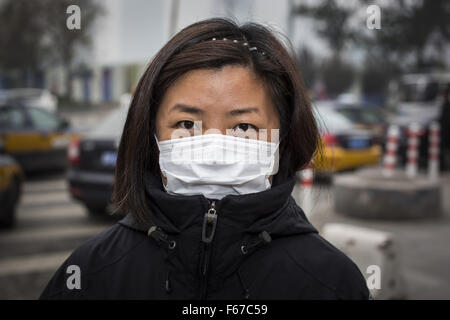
(275,159)
(274,148)
(162,170)
(157,142)
(281,140)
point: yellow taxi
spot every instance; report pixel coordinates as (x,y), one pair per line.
(343,146)
(36,138)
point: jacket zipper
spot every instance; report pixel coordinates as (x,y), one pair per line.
(208,232)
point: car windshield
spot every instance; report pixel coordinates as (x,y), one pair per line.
(112,125)
(329,120)
(362,115)
(43,120)
(11,118)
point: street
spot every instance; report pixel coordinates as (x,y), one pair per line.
(50,225)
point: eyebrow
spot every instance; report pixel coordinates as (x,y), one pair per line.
(195,110)
(186,108)
(237,112)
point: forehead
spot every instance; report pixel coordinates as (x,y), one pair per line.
(224,88)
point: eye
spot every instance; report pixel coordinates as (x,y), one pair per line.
(244,127)
(185,124)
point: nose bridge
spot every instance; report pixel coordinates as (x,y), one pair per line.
(214,124)
(214,131)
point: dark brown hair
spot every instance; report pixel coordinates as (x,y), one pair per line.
(193,48)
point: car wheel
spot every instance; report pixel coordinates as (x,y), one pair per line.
(12,197)
(96,210)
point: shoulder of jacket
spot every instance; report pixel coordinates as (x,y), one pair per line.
(94,255)
(327,265)
(106,248)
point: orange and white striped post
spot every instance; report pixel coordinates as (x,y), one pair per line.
(390,158)
(433,150)
(413,150)
(306,184)
(307,176)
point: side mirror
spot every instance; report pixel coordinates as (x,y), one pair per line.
(64,124)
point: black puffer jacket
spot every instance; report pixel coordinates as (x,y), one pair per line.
(255,246)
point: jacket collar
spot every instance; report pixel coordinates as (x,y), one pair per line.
(273,210)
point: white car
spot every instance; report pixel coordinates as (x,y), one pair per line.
(40,98)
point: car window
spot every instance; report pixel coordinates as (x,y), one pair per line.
(362,115)
(371,117)
(350,114)
(43,120)
(113,124)
(329,120)
(11,118)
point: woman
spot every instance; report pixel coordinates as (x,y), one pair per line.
(206,218)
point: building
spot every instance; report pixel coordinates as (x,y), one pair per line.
(131,32)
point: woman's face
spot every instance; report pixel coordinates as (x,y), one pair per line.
(230,100)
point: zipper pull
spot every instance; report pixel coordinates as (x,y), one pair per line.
(209,220)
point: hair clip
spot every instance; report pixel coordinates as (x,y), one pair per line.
(245,44)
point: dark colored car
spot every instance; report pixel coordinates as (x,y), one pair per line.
(36,138)
(92,161)
(11,178)
(373,119)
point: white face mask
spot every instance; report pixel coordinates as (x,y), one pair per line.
(216,165)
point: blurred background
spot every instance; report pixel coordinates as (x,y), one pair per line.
(377,74)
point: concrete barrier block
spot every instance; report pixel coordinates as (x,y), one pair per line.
(376,254)
(369,194)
